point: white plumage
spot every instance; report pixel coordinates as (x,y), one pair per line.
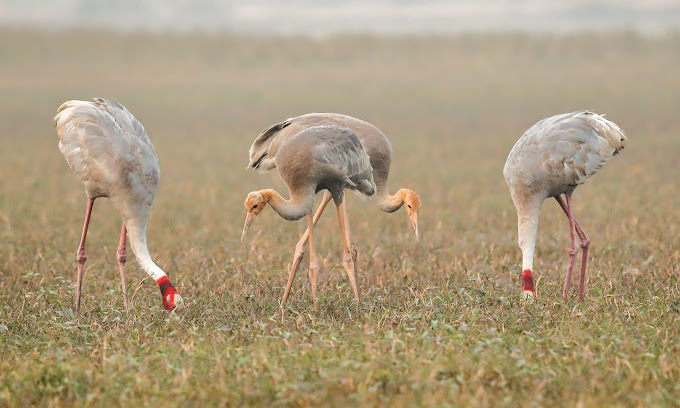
(110,151)
(552,158)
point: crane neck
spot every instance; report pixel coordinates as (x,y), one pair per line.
(297,207)
(528,212)
(136,228)
(391,203)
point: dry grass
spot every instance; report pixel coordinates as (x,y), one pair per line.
(442,322)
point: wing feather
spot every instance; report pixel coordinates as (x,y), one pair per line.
(562,151)
(341,150)
(582,143)
(259,150)
(125,120)
(107,146)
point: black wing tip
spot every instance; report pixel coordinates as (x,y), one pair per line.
(272,130)
(256,164)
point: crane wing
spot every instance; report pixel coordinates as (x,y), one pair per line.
(259,153)
(341,150)
(125,120)
(264,148)
(578,144)
(104,143)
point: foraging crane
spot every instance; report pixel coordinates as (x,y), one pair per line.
(112,155)
(322,157)
(552,158)
(377,146)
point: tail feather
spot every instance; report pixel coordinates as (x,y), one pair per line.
(258,150)
(610,131)
(366,187)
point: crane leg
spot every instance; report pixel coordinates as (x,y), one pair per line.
(585,246)
(572,246)
(300,248)
(347,259)
(81,256)
(313,263)
(121,263)
(353,248)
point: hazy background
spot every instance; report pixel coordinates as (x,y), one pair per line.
(324,17)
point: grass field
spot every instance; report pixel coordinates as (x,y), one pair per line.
(441,323)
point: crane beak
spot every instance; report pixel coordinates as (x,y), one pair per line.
(249,220)
(414,223)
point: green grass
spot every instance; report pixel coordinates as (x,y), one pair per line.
(441,323)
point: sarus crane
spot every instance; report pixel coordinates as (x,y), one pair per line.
(110,151)
(326,157)
(552,158)
(263,152)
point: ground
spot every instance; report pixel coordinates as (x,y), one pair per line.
(442,321)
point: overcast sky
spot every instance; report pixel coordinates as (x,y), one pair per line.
(327,17)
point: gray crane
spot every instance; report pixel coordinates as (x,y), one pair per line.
(112,155)
(552,158)
(263,151)
(326,157)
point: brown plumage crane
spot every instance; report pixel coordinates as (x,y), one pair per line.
(111,153)
(552,158)
(263,157)
(326,157)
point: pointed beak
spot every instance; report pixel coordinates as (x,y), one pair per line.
(250,164)
(414,223)
(249,220)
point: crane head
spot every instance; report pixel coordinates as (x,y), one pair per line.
(254,204)
(412,205)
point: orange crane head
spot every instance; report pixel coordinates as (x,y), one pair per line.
(254,204)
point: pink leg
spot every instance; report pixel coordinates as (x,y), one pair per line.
(81,256)
(313,263)
(353,247)
(121,263)
(300,248)
(347,259)
(585,243)
(572,249)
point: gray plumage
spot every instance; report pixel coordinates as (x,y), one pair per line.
(263,151)
(262,156)
(327,157)
(552,158)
